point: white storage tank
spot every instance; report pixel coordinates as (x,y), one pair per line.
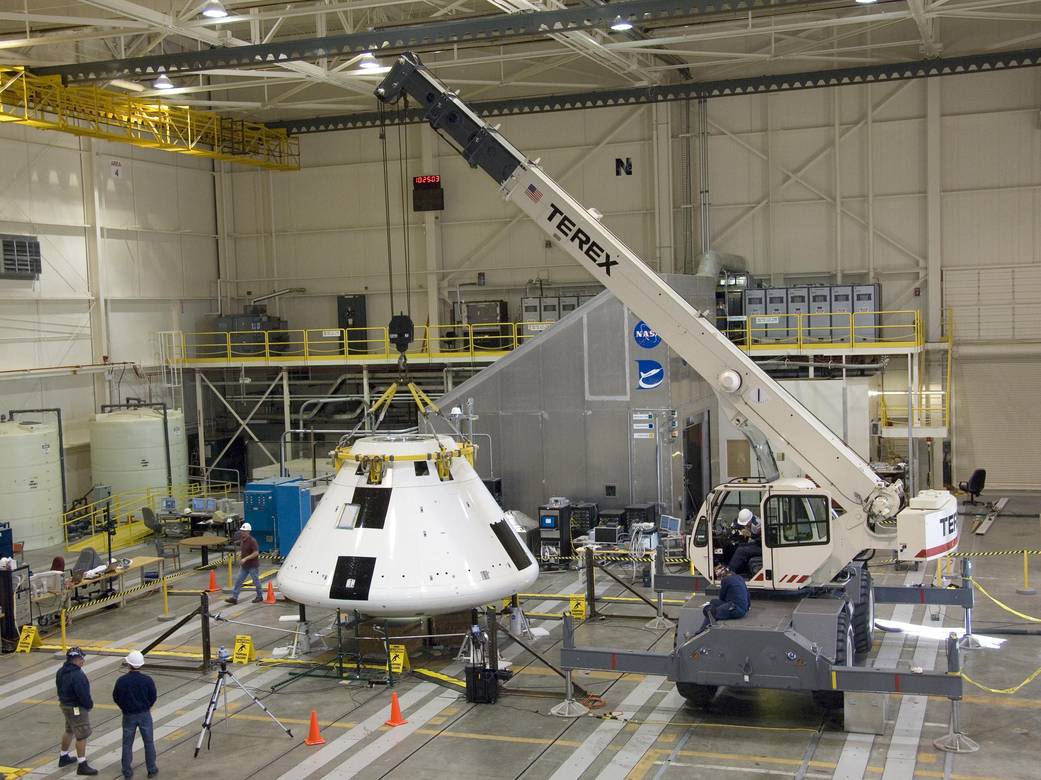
(30,482)
(128,451)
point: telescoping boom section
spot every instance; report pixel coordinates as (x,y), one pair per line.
(868,512)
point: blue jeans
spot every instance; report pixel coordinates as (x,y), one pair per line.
(241,578)
(131,724)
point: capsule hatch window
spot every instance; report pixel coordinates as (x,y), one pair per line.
(367,509)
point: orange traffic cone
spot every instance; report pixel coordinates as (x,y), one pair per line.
(270,597)
(214,588)
(395,712)
(314,736)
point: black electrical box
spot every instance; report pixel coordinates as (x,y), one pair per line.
(584,516)
(495,488)
(641,513)
(482,686)
(613,517)
(351,317)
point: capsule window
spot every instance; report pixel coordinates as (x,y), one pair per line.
(348,516)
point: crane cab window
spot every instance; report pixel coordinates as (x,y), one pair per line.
(734,501)
(796,520)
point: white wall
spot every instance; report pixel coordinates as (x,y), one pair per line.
(156,250)
(330,224)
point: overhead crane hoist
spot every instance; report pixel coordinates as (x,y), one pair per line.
(817,532)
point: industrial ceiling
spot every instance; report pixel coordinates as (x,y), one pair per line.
(291,61)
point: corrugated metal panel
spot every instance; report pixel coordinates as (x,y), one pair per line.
(996,422)
(993,304)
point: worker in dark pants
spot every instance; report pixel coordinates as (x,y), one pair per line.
(249,565)
(733,601)
(76,704)
(750,532)
(135,694)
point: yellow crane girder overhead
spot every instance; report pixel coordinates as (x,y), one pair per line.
(45,103)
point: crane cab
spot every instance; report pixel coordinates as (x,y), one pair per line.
(796,526)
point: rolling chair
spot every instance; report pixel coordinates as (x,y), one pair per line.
(974,485)
(151,521)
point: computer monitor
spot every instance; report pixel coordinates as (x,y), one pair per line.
(605,534)
(168,505)
(548,522)
(204,505)
(669,525)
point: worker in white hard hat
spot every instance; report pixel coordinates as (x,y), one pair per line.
(135,694)
(249,565)
(749,531)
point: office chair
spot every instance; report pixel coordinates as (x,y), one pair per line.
(974,485)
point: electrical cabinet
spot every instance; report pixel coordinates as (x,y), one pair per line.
(549,309)
(867,302)
(755,308)
(818,326)
(568,303)
(530,315)
(841,308)
(776,319)
(259,510)
(798,308)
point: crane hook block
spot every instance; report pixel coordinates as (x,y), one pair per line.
(401,332)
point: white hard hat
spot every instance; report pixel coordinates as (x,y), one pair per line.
(245,527)
(134,659)
(744,517)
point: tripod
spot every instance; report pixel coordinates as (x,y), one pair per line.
(207,722)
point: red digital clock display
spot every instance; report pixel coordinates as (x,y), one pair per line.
(426,182)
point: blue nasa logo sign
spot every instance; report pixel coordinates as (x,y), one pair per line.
(645,336)
(651,374)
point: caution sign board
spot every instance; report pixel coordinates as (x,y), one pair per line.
(28,640)
(244,652)
(578,606)
(398,659)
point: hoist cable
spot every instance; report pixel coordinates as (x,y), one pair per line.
(403,161)
(386,202)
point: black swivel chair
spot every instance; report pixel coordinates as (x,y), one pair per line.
(151,521)
(974,486)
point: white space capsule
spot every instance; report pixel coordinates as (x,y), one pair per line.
(406,528)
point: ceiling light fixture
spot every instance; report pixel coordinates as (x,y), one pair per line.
(368,61)
(866,2)
(214,9)
(163,82)
(621,25)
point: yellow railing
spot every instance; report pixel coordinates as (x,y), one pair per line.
(45,103)
(347,344)
(858,330)
(930,410)
(84,523)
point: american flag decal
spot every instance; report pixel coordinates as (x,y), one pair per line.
(534,193)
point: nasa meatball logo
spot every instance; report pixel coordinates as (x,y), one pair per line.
(645,336)
(651,374)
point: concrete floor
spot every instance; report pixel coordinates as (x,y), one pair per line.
(744,735)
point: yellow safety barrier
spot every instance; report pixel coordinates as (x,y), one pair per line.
(1005,606)
(1005,691)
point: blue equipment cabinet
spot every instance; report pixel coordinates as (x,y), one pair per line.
(278,508)
(293,506)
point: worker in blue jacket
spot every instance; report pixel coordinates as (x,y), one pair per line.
(76,704)
(733,601)
(135,694)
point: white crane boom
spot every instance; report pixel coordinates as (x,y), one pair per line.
(751,398)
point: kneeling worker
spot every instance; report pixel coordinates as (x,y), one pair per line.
(135,694)
(733,601)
